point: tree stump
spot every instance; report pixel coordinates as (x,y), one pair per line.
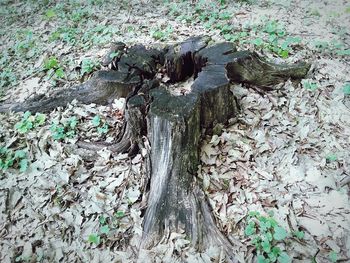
(173,124)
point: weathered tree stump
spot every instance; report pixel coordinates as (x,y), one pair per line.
(173,124)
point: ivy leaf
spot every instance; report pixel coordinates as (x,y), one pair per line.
(280,233)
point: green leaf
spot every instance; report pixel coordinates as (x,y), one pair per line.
(51,63)
(23,165)
(19,154)
(73,122)
(87,66)
(258,41)
(250,229)
(309,85)
(333,256)
(50,13)
(96,120)
(114,54)
(299,234)
(272,257)
(331,157)
(95,239)
(345,52)
(102,220)
(40,119)
(103,129)
(283,53)
(266,246)
(279,233)
(346,89)
(262,259)
(26,115)
(59,73)
(104,229)
(276,251)
(284,258)
(253,214)
(119,214)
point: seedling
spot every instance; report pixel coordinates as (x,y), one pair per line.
(30,122)
(333,256)
(50,13)
(52,66)
(88,66)
(346,89)
(102,127)
(309,85)
(331,158)
(266,235)
(61,131)
(162,35)
(10,158)
(95,239)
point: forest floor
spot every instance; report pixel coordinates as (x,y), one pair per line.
(277,180)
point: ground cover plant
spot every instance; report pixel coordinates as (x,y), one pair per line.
(287,152)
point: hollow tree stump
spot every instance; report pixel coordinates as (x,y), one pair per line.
(173,124)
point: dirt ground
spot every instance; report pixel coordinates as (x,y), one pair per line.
(286,156)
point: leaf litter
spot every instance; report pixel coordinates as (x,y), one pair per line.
(287,154)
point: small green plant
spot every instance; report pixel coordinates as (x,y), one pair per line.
(16,159)
(106,223)
(331,157)
(61,131)
(95,239)
(52,66)
(30,122)
(162,35)
(7,77)
(88,66)
(343,52)
(309,85)
(346,89)
(266,235)
(50,13)
(333,256)
(102,127)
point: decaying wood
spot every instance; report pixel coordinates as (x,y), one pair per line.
(173,124)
